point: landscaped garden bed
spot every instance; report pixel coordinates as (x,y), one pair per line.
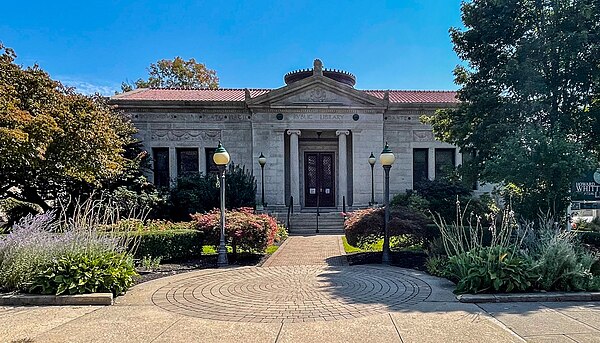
(166,248)
(482,249)
(81,252)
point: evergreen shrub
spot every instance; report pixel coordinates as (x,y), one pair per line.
(200,193)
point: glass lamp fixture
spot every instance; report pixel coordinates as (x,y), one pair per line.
(221,156)
(387,157)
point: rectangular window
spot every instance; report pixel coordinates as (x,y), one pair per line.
(161,167)
(469,178)
(187,162)
(420,165)
(211,167)
(445,161)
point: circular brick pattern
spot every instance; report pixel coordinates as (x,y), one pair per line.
(292,293)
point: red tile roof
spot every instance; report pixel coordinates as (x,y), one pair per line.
(229,94)
(398,96)
(179,94)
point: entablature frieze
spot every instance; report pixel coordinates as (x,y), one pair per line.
(184,110)
(184,135)
(196,117)
(288,111)
(404,118)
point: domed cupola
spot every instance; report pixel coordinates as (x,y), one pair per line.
(334,74)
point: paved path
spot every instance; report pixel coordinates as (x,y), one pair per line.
(293,294)
(304,293)
(309,250)
(550,322)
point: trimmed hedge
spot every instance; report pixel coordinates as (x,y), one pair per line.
(169,245)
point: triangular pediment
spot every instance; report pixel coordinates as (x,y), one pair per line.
(316,91)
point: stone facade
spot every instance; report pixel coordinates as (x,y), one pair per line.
(318,117)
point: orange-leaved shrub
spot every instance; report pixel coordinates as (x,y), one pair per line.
(243,228)
(365,227)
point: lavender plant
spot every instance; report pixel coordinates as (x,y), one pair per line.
(37,242)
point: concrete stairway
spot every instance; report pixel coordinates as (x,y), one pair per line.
(304,223)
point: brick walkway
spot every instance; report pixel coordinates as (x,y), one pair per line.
(293,294)
(309,250)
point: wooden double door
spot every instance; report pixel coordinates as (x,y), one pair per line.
(319,179)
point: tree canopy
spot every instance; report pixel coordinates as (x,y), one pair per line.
(176,73)
(53,140)
(529,111)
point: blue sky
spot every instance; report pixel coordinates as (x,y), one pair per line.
(94,45)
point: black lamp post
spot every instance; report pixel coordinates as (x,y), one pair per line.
(372,163)
(221,159)
(386,158)
(262,160)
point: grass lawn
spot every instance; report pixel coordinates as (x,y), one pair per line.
(377,247)
(372,248)
(271,249)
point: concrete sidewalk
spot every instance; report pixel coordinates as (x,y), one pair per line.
(136,318)
(305,293)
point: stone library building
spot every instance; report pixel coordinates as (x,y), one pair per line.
(316,133)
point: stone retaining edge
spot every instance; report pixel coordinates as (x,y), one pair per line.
(56,300)
(529,297)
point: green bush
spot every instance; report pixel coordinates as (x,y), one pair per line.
(168,245)
(136,195)
(491,269)
(517,256)
(411,200)
(561,264)
(365,227)
(86,273)
(440,198)
(36,241)
(200,193)
(437,265)
(245,230)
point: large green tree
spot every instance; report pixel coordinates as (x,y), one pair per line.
(176,73)
(528,112)
(54,141)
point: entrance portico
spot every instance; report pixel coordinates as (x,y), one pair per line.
(318,172)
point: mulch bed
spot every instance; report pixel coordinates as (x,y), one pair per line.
(204,262)
(405,259)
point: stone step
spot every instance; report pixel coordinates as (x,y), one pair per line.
(312,232)
(305,223)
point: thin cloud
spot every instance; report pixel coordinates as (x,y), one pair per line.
(88,88)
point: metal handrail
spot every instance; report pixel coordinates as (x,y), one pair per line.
(290,210)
